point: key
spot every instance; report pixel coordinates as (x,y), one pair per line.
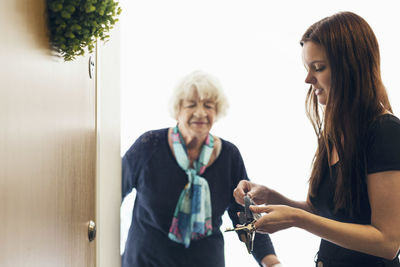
(249,227)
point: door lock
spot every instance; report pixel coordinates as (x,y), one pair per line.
(91,230)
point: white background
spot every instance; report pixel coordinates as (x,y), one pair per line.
(253,48)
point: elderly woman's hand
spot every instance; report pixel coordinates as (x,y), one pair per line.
(277,217)
(258,193)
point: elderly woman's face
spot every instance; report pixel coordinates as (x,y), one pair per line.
(196,116)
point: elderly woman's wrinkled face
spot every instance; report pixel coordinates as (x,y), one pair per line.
(196,116)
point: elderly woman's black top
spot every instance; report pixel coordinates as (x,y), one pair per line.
(382,154)
(150,167)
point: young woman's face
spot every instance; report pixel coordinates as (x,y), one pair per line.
(196,116)
(318,70)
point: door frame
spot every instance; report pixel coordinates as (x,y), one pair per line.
(108,160)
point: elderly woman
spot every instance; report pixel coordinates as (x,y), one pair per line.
(184,179)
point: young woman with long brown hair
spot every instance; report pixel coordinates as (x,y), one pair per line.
(353,200)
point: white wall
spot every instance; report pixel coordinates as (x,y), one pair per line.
(253,48)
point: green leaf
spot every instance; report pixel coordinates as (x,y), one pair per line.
(90,9)
(65,14)
(70,8)
(69,35)
(56,7)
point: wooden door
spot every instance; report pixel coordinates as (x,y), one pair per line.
(47,146)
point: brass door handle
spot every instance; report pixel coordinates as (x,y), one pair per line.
(91,230)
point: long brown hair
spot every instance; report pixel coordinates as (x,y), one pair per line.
(356,97)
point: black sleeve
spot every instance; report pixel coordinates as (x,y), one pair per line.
(128,177)
(132,162)
(262,243)
(383,147)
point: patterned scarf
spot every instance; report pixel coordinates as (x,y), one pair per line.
(192,216)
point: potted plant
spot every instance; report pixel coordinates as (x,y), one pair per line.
(75,25)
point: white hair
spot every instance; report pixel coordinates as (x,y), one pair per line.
(207,87)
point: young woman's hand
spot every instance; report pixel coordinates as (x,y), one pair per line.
(258,193)
(277,217)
